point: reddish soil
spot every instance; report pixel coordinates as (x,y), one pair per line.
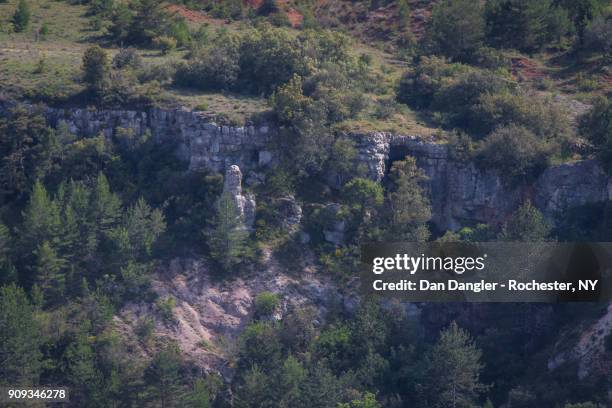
(193,16)
(294,17)
(525,69)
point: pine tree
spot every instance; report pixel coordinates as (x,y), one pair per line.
(95,68)
(403,14)
(526,224)
(49,274)
(162,375)
(453,377)
(292,374)
(198,397)
(27,147)
(41,220)
(105,206)
(456,28)
(144,226)
(21,18)
(150,19)
(409,208)
(228,238)
(7,270)
(86,380)
(20,340)
(255,389)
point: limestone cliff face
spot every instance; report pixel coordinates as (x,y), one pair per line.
(460,192)
(204,144)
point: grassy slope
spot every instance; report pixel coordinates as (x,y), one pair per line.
(70,33)
(35,67)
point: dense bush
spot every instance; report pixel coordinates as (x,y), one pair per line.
(515,152)
(539,114)
(214,68)
(456,28)
(598,35)
(596,125)
(526,25)
(266,304)
(127,57)
(460,97)
(258,61)
(138,22)
(477,101)
(419,85)
(95,68)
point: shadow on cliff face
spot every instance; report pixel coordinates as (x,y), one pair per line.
(396,153)
(589,222)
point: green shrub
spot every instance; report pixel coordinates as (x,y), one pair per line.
(526,224)
(266,304)
(526,25)
(456,28)
(418,86)
(598,36)
(260,60)
(145,328)
(21,18)
(490,58)
(165,44)
(228,9)
(214,68)
(180,32)
(541,115)
(95,68)
(515,152)
(127,57)
(585,83)
(596,126)
(43,31)
(460,97)
(165,307)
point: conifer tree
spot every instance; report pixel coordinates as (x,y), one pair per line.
(7,270)
(20,357)
(228,238)
(526,224)
(409,207)
(49,274)
(41,221)
(403,14)
(163,376)
(144,225)
(95,68)
(21,18)
(86,380)
(453,377)
(105,205)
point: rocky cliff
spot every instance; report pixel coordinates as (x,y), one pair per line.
(204,144)
(463,193)
(460,192)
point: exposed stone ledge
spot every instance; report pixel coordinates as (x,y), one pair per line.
(460,192)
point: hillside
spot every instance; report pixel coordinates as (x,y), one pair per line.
(186,188)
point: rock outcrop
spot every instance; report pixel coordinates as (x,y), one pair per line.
(204,144)
(462,193)
(245,203)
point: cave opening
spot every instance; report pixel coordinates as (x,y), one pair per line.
(396,153)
